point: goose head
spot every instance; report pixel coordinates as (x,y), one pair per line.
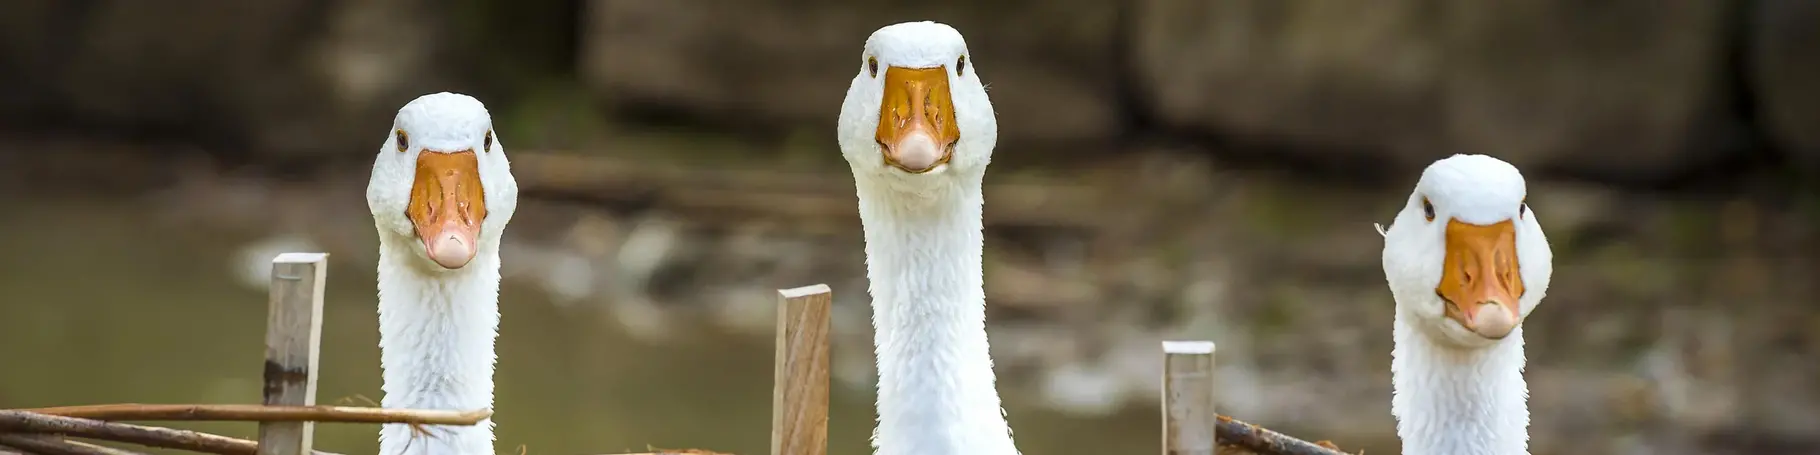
(1465,258)
(917,113)
(441,183)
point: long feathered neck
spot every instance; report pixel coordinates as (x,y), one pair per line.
(436,332)
(936,392)
(1459,401)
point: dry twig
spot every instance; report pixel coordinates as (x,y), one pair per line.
(136,434)
(262,413)
(1263,441)
(658,451)
(46,444)
(672,452)
(116,451)
(799,195)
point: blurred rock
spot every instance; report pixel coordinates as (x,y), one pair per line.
(1356,78)
(276,77)
(1542,84)
(1050,65)
(1624,90)
(1785,74)
(1557,83)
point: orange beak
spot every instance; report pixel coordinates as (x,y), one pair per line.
(916,126)
(1480,279)
(447,206)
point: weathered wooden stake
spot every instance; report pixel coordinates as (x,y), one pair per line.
(799,395)
(293,336)
(1188,399)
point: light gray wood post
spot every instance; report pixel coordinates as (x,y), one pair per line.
(293,337)
(1188,398)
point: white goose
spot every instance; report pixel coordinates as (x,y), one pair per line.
(918,131)
(1467,262)
(441,193)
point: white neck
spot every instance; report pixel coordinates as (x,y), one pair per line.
(1459,401)
(936,392)
(436,332)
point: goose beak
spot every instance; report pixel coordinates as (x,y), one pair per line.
(1480,278)
(447,206)
(916,129)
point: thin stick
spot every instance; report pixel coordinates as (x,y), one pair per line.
(54,445)
(690,452)
(1263,441)
(662,451)
(259,413)
(677,452)
(799,394)
(136,434)
(1190,423)
(112,450)
(293,335)
(1188,401)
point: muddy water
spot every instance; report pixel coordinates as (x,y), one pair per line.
(102,302)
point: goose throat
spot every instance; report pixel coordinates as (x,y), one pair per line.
(437,333)
(936,386)
(1459,401)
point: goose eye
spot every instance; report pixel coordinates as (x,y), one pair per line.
(486,145)
(960,66)
(404,141)
(1428,209)
(872,66)
(1523,208)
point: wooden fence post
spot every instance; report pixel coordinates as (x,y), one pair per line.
(1188,398)
(293,336)
(799,395)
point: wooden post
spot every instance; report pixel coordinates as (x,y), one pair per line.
(1188,398)
(799,395)
(293,336)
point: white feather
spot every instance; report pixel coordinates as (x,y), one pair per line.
(1457,393)
(437,326)
(936,392)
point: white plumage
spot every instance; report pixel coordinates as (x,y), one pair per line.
(1459,390)
(923,236)
(437,324)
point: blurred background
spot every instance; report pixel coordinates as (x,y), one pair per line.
(1166,169)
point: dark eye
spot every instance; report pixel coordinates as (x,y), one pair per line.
(1428,209)
(1523,208)
(872,66)
(486,145)
(960,66)
(404,141)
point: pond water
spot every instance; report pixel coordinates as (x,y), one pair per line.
(103,305)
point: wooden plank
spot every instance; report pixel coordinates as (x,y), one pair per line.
(293,337)
(799,397)
(1188,398)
